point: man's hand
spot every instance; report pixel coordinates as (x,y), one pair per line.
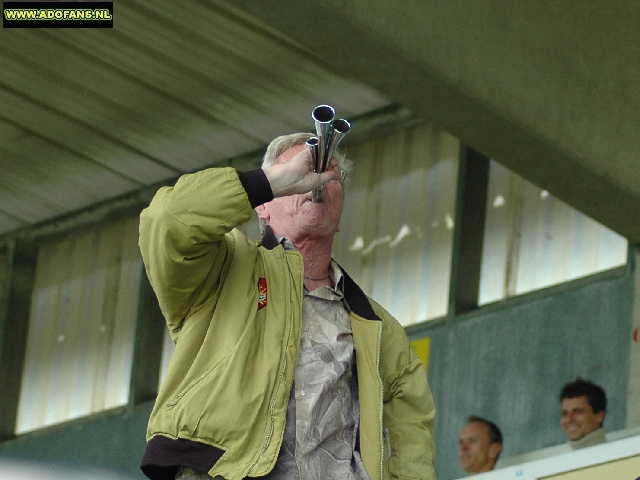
(296,175)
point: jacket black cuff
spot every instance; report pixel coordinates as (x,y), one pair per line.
(164,456)
(257,186)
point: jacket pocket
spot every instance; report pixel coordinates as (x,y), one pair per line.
(176,399)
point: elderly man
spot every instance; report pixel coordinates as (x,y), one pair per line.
(583,408)
(480,445)
(283,368)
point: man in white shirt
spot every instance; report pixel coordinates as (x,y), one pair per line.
(583,408)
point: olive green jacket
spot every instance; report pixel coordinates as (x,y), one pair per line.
(234,309)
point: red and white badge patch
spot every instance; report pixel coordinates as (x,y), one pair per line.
(262,293)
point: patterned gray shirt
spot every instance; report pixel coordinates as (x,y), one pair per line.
(324,413)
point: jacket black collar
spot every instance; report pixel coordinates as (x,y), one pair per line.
(353,294)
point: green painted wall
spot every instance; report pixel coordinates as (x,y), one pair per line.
(506,362)
(112,440)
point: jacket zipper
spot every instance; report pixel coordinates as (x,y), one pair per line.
(279,384)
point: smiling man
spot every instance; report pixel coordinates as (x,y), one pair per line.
(283,368)
(583,408)
(480,444)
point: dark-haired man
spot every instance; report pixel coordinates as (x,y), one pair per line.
(584,405)
(480,445)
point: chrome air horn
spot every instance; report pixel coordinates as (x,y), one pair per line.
(330,132)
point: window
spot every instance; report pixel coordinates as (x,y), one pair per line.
(81,328)
(533,240)
(396,232)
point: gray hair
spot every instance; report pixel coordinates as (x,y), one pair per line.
(281,144)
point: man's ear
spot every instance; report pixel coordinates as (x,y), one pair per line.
(262,211)
(600,416)
(494,450)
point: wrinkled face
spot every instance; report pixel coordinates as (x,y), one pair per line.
(477,453)
(297,217)
(577,418)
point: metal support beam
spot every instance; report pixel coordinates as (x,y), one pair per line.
(471,201)
(21,258)
(145,372)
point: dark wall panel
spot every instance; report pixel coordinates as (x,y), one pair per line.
(112,440)
(508,364)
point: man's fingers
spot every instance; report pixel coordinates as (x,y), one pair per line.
(296,175)
(303,157)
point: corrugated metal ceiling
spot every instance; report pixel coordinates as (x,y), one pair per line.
(90,114)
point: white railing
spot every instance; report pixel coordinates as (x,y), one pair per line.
(619,458)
